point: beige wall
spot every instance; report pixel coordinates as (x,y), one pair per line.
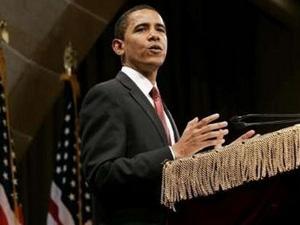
(39,31)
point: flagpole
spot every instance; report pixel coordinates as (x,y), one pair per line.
(70,63)
(4,37)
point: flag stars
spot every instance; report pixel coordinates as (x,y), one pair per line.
(58,170)
(73,183)
(67,118)
(5,135)
(66,156)
(5,162)
(67,131)
(87,196)
(88,208)
(66,143)
(71,197)
(67,166)
(5,176)
(8,180)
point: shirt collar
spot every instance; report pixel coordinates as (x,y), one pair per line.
(140,80)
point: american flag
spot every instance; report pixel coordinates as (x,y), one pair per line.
(10,209)
(69,202)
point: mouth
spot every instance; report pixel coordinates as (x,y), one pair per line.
(155,48)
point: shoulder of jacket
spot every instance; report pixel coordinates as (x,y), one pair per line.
(109,87)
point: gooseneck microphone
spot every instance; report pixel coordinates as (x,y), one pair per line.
(250,120)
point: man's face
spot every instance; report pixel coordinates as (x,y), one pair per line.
(145,40)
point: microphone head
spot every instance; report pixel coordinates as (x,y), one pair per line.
(236,123)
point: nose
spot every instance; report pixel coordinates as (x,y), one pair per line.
(153,35)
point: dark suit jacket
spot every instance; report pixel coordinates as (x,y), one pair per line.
(123,148)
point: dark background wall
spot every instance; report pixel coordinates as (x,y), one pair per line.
(233,57)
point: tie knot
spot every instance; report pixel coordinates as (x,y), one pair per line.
(154,93)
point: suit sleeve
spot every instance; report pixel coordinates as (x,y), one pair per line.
(103,136)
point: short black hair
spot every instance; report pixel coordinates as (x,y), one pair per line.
(122,22)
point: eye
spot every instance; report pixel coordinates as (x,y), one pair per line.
(161,30)
(140,29)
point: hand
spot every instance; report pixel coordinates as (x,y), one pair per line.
(199,135)
(249,134)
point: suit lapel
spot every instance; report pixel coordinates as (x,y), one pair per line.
(176,133)
(144,103)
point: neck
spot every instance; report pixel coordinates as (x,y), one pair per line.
(149,73)
(150,76)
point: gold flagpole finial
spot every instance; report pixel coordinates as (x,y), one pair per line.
(70,59)
(4,35)
(70,65)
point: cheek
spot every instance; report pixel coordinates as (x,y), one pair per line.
(137,52)
(134,48)
(134,54)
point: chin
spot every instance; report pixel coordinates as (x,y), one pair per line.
(155,65)
(156,62)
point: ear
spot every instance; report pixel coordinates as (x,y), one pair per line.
(118,46)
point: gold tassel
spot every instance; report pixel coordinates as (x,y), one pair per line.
(231,166)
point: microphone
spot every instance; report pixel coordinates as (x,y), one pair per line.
(250,120)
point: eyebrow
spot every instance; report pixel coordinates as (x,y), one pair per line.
(147,24)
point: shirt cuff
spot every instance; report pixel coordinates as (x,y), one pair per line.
(172,152)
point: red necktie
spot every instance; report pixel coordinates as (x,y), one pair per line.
(154,93)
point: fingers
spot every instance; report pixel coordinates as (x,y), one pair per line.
(247,135)
(209,119)
(213,134)
(200,134)
(213,126)
(216,134)
(192,123)
(214,142)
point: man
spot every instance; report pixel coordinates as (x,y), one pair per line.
(127,132)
